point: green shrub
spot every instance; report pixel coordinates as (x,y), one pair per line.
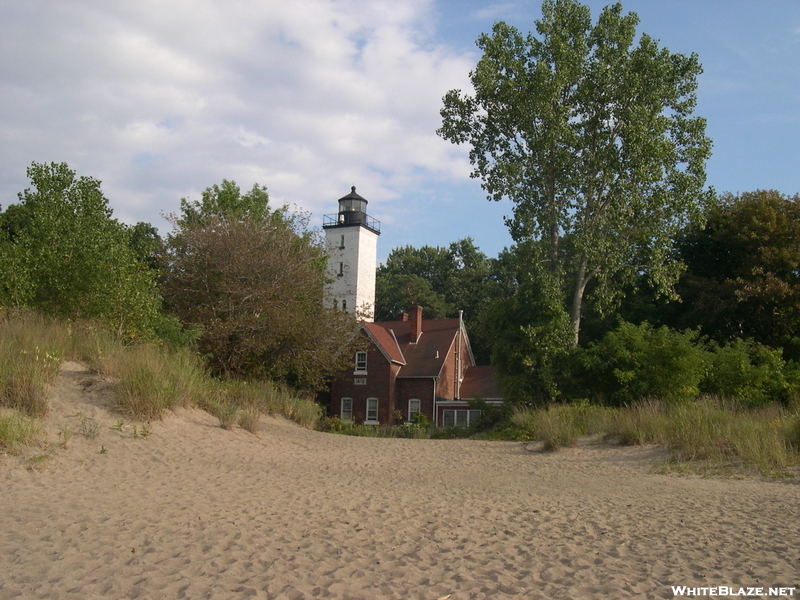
(640,361)
(746,371)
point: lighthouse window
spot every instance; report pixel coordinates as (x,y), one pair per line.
(341,246)
(341,269)
(344,305)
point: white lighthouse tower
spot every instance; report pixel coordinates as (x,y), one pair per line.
(351,237)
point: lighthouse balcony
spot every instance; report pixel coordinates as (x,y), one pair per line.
(349,218)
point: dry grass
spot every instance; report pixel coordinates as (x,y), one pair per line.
(709,434)
(249,419)
(153,379)
(17,430)
(268,398)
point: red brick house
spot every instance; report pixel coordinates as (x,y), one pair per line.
(413,365)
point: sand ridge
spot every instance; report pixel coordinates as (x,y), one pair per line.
(194,511)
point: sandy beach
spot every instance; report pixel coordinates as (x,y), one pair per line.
(194,511)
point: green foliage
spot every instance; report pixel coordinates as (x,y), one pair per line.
(251,281)
(742,278)
(560,425)
(409,430)
(442,281)
(492,415)
(747,372)
(533,338)
(396,293)
(589,130)
(266,397)
(62,253)
(420,420)
(708,435)
(227,203)
(640,361)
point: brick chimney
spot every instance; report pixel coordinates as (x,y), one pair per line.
(416,323)
(403,316)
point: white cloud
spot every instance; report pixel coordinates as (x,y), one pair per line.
(161,99)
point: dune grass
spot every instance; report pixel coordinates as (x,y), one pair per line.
(710,434)
(150,378)
(17,430)
(252,398)
(154,379)
(31,350)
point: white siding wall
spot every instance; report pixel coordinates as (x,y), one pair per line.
(359,259)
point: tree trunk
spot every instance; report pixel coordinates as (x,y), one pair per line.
(577,299)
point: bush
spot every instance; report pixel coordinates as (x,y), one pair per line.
(639,361)
(746,371)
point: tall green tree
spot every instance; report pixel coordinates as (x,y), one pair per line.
(442,281)
(591,133)
(252,280)
(226,202)
(63,253)
(743,271)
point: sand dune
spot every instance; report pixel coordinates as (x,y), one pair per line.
(193,511)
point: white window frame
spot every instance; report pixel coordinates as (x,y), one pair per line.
(411,410)
(472,415)
(361,365)
(374,411)
(349,418)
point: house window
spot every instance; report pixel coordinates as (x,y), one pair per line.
(372,412)
(361,362)
(413,408)
(346,414)
(460,418)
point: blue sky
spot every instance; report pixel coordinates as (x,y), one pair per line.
(160,99)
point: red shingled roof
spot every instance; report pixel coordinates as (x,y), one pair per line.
(386,342)
(423,359)
(426,357)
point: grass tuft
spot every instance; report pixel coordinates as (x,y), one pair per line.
(17,430)
(153,379)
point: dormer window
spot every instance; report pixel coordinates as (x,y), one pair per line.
(361,362)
